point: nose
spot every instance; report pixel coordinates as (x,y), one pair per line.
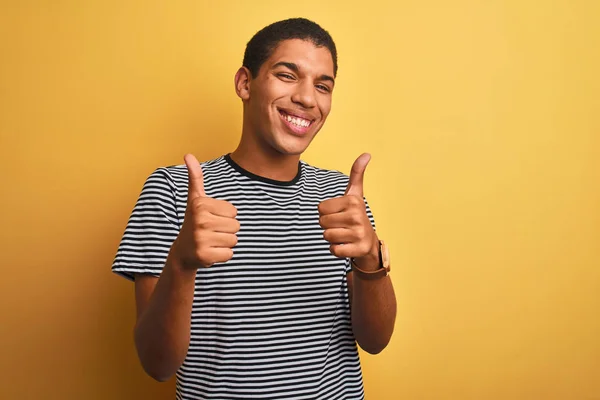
(304,95)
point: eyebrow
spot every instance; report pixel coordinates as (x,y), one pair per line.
(294,67)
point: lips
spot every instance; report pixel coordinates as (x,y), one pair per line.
(296,123)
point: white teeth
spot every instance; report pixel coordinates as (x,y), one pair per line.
(297,121)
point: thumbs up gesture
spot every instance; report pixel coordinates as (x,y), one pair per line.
(209,228)
(345,221)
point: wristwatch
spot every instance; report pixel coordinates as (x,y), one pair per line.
(384,265)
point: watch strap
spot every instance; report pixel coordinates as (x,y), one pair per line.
(384,265)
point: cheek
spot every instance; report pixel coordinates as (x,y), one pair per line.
(260,108)
(268,97)
(274,88)
(325,107)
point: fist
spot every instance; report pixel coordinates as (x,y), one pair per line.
(344,219)
(209,229)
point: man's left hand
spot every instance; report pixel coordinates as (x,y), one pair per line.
(346,224)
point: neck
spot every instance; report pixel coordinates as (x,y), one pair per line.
(262,160)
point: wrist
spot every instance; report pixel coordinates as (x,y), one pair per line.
(382,268)
(371,261)
(177,260)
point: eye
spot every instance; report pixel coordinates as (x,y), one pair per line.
(323,88)
(285,75)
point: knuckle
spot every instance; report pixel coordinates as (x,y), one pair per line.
(362,233)
(201,257)
(203,220)
(197,237)
(214,260)
(333,250)
(321,208)
(197,203)
(336,250)
(364,247)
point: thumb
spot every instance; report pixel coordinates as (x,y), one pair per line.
(195,177)
(357,174)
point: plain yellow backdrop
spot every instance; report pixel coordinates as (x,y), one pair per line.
(482,120)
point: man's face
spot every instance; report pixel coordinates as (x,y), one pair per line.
(290,98)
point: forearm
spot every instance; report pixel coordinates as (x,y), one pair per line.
(162,332)
(373,313)
(373,304)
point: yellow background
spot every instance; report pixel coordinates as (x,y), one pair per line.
(481,117)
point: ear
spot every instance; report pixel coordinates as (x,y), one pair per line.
(242,83)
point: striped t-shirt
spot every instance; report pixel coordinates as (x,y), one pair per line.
(274,321)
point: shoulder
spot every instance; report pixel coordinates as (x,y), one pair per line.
(176,176)
(327,178)
(323,174)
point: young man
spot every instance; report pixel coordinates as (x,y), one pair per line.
(256,273)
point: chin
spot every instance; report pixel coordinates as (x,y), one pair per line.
(291,147)
(287,143)
(293,151)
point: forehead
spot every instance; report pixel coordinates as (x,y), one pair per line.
(308,57)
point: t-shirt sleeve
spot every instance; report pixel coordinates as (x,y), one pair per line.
(372,219)
(151,230)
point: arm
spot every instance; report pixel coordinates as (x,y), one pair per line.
(349,231)
(162,329)
(373,306)
(164,305)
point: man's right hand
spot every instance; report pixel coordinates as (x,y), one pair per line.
(209,228)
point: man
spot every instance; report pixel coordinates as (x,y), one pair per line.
(256,273)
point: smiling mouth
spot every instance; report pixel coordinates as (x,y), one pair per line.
(295,122)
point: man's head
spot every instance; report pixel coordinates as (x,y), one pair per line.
(262,44)
(286,83)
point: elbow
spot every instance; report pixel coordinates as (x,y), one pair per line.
(373,341)
(155,368)
(373,347)
(157,375)
(373,350)
(157,364)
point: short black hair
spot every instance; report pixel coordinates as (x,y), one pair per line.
(264,42)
